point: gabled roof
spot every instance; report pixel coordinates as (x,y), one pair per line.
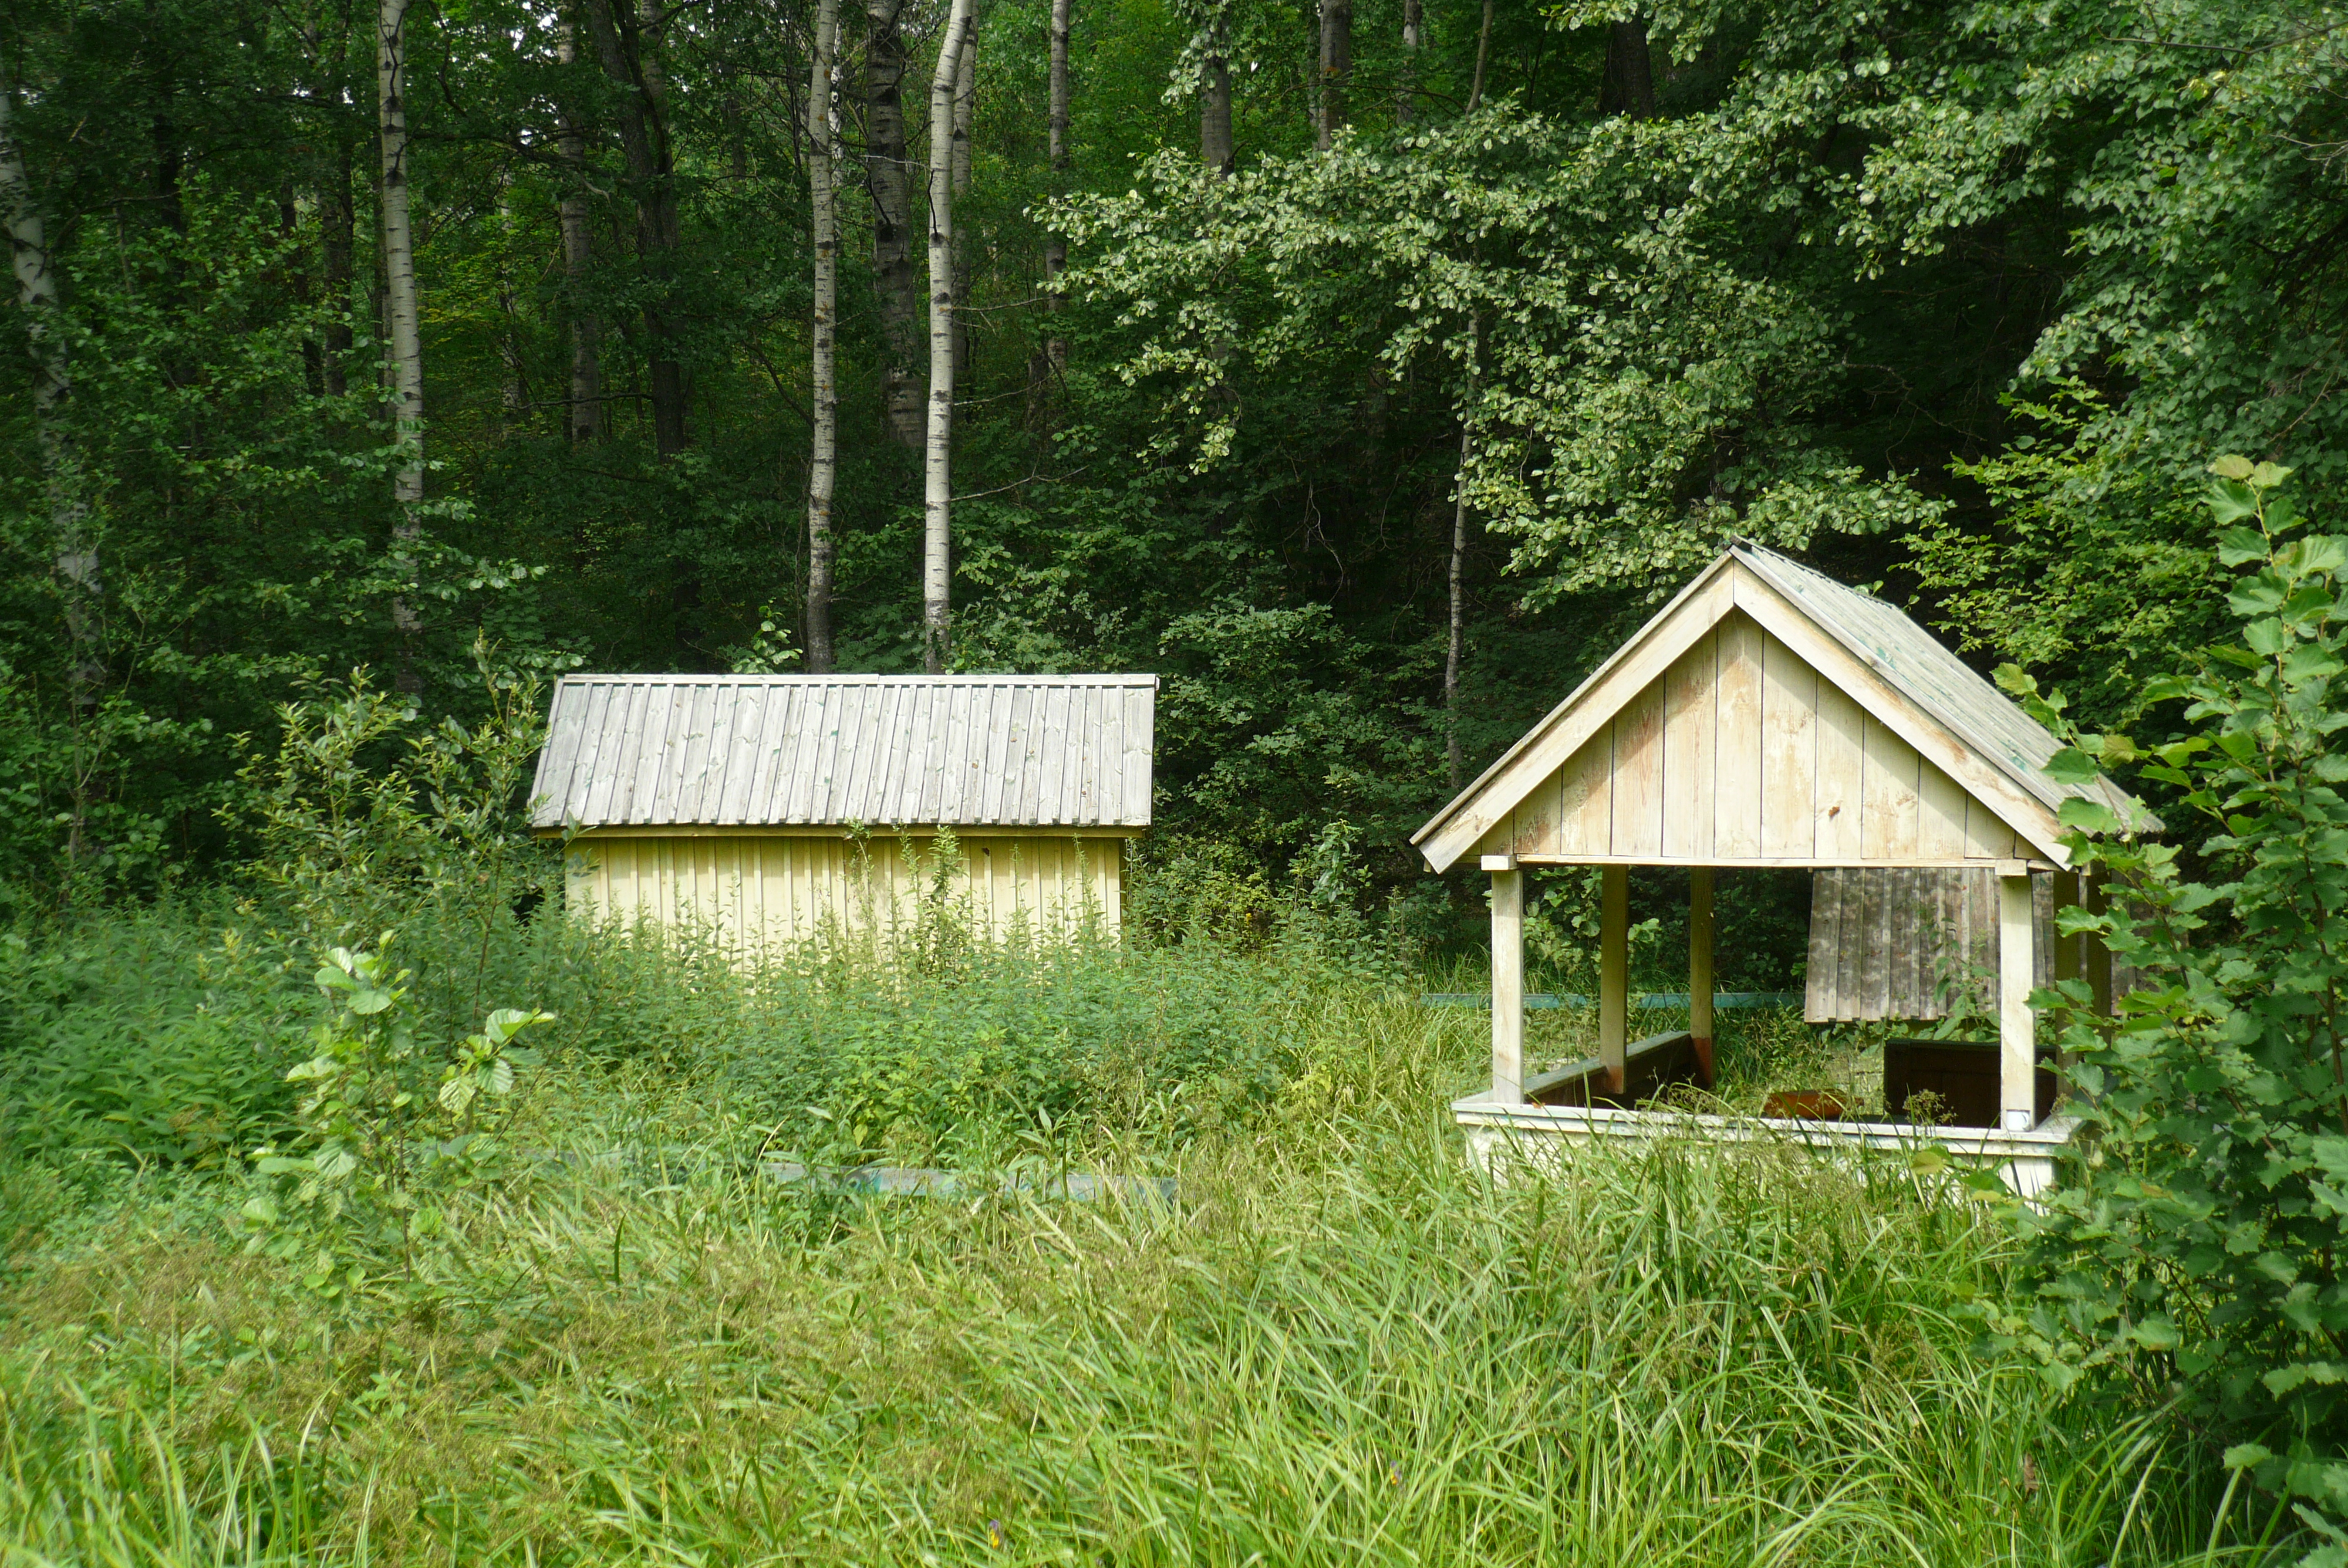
(1892,667)
(962,750)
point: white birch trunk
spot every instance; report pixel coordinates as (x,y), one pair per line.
(965,107)
(75,558)
(403,336)
(1055,249)
(1406,96)
(823,462)
(937,486)
(1215,149)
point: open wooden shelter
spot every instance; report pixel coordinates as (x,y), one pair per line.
(767,809)
(1768,716)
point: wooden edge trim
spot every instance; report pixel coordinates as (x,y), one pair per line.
(2022,812)
(1547,746)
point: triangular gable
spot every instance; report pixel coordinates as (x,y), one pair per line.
(1741,725)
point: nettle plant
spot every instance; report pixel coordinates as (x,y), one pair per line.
(392,1133)
(2197,1260)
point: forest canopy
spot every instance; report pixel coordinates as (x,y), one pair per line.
(1366,369)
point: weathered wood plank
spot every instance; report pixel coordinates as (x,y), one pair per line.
(1789,756)
(1841,792)
(1889,807)
(1736,740)
(1940,814)
(1638,820)
(1689,721)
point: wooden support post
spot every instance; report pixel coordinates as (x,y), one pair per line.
(1507,979)
(2069,951)
(2099,958)
(2017,1031)
(1613,973)
(1700,969)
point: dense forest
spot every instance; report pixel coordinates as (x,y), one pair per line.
(1366,371)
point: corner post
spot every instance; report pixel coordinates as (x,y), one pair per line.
(1700,969)
(2017,1031)
(1508,979)
(1614,973)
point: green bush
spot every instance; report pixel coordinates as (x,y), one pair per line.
(2197,1262)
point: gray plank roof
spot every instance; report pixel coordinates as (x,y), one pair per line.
(965,750)
(1943,685)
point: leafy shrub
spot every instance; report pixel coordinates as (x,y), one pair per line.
(2197,1258)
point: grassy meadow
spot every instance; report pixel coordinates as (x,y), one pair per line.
(1336,1343)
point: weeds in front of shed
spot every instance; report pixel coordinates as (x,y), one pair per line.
(1336,1344)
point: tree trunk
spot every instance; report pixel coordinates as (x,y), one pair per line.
(965,107)
(74,554)
(404,339)
(937,487)
(338,244)
(823,461)
(627,39)
(1413,18)
(887,173)
(1215,148)
(1629,85)
(1336,69)
(586,421)
(1459,561)
(1483,58)
(1056,248)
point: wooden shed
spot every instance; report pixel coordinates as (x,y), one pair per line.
(767,809)
(1768,716)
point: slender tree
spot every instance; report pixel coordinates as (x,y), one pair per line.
(586,420)
(74,556)
(628,37)
(1458,575)
(888,174)
(937,487)
(404,342)
(1056,248)
(965,105)
(1215,149)
(1483,58)
(1336,69)
(1413,20)
(823,461)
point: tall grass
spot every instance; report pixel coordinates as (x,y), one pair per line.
(1336,1344)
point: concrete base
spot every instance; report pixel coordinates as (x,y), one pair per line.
(1537,1135)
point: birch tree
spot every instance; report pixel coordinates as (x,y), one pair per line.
(937,486)
(404,344)
(1413,17)
(1056,248)
(74,557)
(823,461)
(586,406)
(965,104)
(888,175)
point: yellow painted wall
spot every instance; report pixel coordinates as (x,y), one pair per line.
(764,892)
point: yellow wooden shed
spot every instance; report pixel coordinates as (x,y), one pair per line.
(769,809)
(1768,716)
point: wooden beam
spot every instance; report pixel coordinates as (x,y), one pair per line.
(2098,957)
(2017,1027)
(1613,973)
(1700,969)
(1508,981)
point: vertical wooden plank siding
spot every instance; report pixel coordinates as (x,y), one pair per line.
(1690,725)
(1638,824)
(1841,792)
(1586,798)
(750,894)
(1737,763)
(1789,751)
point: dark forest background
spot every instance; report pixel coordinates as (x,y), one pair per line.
(1955,299)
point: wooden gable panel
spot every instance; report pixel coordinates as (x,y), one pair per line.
(1741,752)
